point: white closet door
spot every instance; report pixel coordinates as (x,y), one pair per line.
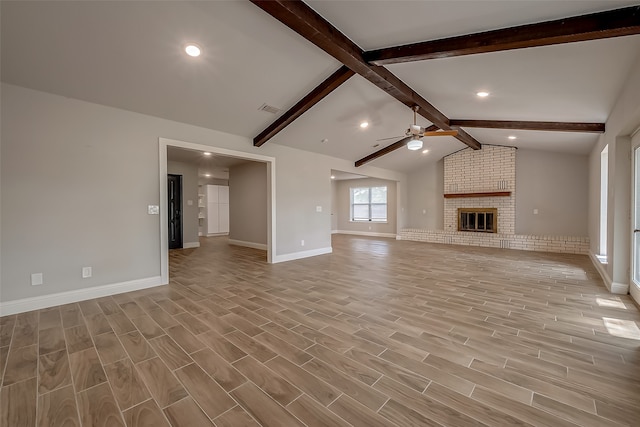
(212,194)
(223,194)
(213,219)
(223,218)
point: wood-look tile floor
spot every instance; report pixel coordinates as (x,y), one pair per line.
(379,333)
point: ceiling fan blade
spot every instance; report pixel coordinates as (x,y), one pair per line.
(441,133)
(386,150)
(393,137)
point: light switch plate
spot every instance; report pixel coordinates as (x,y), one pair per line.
(318,208)
(86,272)
(154,210)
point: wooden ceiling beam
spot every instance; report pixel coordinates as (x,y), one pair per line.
(390,148)
(312,98)
(309,24)
(527,125)
(594,26)
(386,150)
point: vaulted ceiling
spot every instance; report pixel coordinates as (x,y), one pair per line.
(129,55)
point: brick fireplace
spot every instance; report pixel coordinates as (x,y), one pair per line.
(481,179)
(485,181)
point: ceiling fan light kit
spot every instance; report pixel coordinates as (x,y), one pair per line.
(415,143)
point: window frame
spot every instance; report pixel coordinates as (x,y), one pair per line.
(369,204)
(604,199)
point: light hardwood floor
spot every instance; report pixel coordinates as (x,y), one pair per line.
(379,333)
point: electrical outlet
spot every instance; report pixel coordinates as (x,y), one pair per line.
(301,242)
(153,209)
(318,208)
(86,272)
(37,279)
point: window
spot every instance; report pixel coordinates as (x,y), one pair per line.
(604,184)
(369,204)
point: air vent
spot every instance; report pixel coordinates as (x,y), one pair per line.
(269,109)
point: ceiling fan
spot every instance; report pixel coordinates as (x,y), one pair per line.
(415,133)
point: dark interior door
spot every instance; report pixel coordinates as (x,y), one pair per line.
(174,190)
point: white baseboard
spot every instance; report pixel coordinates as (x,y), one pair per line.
(51,300)
(217,234)
(619,288)
(367,233)
(334,231)
(300,255)
(602,271)
(188,245)
(253,245)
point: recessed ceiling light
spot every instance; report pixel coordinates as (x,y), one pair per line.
(333,177)
(207,175)
(364,124)
(193,49)
(425,151)
(482,94)
(512,137)
(206,153)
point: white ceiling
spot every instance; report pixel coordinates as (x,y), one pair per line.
(129,55)
(337,175)
(214,165)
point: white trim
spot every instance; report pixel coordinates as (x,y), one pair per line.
(271,196)
(602,271)
(367,233)
(217,234)
(634,291)
(164,243)
(253,245)
(619,288)
(304,254)
(334,231)
(189,245)
(52,300)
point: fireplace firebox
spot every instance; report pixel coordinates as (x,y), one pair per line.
(479,220)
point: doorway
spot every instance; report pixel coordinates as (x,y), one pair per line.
(164,143)
(174,197)
(634,289)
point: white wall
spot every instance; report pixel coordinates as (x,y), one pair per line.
(213,181)
(189,193)
(426,197)
(248,203)
(343,197)
(555,185)
(623,120)
(77,177)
